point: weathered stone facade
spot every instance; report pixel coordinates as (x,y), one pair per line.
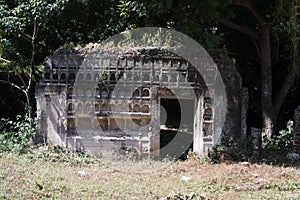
(105,101)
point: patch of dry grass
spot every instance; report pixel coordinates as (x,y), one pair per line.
(25,177)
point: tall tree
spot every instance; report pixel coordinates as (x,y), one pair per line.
(257,19)
(266,18)
(33,29)
(20,22)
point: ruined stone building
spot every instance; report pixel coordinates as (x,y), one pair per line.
(144,100)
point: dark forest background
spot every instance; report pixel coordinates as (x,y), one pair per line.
(261,36)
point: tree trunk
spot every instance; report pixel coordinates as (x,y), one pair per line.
(287,84)
(270,110)
(266,81)
(28,104)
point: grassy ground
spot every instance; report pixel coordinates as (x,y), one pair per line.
(32,176)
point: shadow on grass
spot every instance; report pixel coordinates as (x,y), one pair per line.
(234,154)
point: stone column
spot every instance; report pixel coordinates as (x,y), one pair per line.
(154,129)
(256,142)
(296,143)
(244,109)
(41,116)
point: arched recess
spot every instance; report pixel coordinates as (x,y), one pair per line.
(79,108)
(96,108)
(71,107)
(146,92)
(136,93)
(88,77)
(79,76)
(63,77)
(47,73)
(156,78)
(97,78)
(112,78)
(146,108)
(104,93)
(97,92)
(165,78)
(208,114)
(88,108)
(55,75)
(136,108)
(173,77)
(70,93)
(71,77)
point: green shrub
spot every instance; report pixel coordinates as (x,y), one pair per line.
(281,142)
(229,149)
(57,153)
(14,135)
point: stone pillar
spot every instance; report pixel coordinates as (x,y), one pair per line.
(154,129)
(256,142)
(244,109)
(296,143)
(198,147)
(40,136)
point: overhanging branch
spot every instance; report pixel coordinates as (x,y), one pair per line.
(239,28)
(287,84)
(4,60)
(13,85)
(261,19)
(257,48)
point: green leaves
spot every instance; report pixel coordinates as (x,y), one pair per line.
(281,142)
(127,6)
(24,13)
(17,21)
(14,135)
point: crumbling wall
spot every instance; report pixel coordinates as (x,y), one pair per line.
(51,115)
(234,92)
(152,70)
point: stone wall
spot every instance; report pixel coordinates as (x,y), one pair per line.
(234,92)
(104,110)
(51,114)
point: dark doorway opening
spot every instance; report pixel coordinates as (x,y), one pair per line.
(176,127)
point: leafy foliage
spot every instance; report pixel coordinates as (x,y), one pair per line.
(274,150)
(15,135)
(229,149)
(20,24)
(17,19)
(58,153)
(281,142)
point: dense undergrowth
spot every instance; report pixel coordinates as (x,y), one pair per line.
(16,135)
(274,150)
(47,171)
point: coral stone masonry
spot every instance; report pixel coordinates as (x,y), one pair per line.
(146,101)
